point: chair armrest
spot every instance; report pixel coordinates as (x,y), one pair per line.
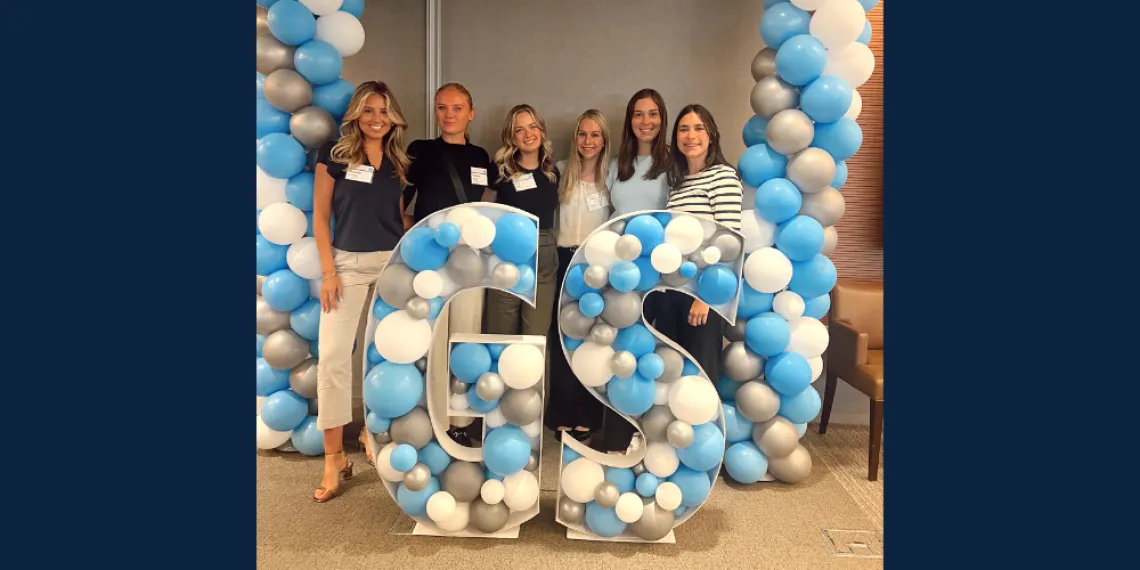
(846,346)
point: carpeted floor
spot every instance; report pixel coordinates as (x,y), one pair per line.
(833,520)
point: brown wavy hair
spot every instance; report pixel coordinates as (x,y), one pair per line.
(628,150)
(714,155)
(350,148)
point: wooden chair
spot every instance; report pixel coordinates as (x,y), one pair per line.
(855,354)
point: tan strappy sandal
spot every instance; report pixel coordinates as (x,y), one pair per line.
(345,475)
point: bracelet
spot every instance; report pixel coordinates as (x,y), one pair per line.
(329,275)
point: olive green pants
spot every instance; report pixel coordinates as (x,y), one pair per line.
(507,314)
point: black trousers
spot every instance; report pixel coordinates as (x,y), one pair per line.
(616,430)
(569,403)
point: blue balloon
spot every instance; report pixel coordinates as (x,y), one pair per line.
(801,429)
(380,309)
(436,307)
(736,426)
(575,283)
(436,459)
(403,458)
(506,449)
(679,512)
(817,307)
(270,379)
(663,218)
(840,175)
(270,3)
(479,404)
(284,410)
(314,349)
(270,256)
(306,319)
(591,304)
(469,361)
(571,343)
(260,85)
(648,230)
(810,278)
(726,388)
(334,97)
(307,438)
(377,424)
(374,355)
(788,373)
(707,448)
(631,396)
(649,275)
(826,99)
(799,238)
(354,7)
(755,131)
(285,290)
(753,302)
(280,155)
(745,462)
(767,334)
(695,485)
(865,37)
(798,409)
(801,59)
(624,276)
(759,164)
(516,238)
(569,455)
(636,339)
(647,484)
(420,250)
(318,62)
(868,4)
(777,200)
(527,279)
(766,3)
(690,368)
(781,22)
(496,350)
(260,342)
(622,477)
(299,191)
(414,503)
(291,22)
(604,522)
(840,139)
(650,366)
(717,285)
(270,120)
(447,234)
(392,390)
(688,269)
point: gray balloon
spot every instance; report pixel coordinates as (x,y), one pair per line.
(617,227)
(771,95)
(776,437)
(489,518)
(735,333)
(418,308)
(303,379)
(655,423)
(790,131)
(830,240)
(680,434)
(624,364)
(394,286)
(697,259)
(764,64)
(459,387)
(628,248)
(412,428)
(490,386)
(571,512)
(674,363)
(285,349)
(313,126)
(382,438)
(262,20)
(286,90)
(638,469)
(622,309)
(272,54)
(596,276)
(602,334)
(826,206)
(600,389)
(463,480)
(757,401)
(260,280)
(739,363)
(729,246)
(674,279)
(811,170)
(521,407)
(793,468)
(466,267)
(287,447)
(417,478)
(573,323)
(606,495)
(269,320)
(505,275)
(655,522)
(314,409)
(421,365)
(532,462)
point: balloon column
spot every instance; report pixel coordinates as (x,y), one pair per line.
(806,104)
(643,375)
(449,488)
(300,98)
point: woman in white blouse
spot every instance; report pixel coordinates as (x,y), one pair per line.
(583,205)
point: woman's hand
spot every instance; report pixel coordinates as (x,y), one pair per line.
(331,293)
(699,313)
(408,222)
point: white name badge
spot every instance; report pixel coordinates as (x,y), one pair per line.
(524,182)
(360,174)
(596,201)
(478,176)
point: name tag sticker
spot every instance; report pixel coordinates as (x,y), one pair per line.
(594,201)
(524,182)
(478,176)
(360,174)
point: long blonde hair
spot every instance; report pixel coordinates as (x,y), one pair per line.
(573,172)
(506,158)
(350,148)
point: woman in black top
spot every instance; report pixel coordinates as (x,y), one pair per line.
(359,179)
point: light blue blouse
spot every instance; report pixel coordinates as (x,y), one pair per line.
(636,194)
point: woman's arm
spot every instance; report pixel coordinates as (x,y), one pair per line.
(725,200)
(322,211)
(409,221)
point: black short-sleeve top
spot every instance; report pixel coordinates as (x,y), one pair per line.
(429,178)
(530,191)
(367,213)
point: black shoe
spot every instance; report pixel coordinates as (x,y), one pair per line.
(459,435)
(580,435)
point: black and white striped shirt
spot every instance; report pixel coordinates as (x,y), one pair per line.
(714,193)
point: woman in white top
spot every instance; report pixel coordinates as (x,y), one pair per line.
(583,205)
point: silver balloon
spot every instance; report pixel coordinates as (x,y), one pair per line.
(624,364)
(260,280)
(739,363)
(394,286)
(638,469)
(287,447)
(521,407)
(269,320)
(655,423)
(489,518)
(286,90)
(421,365)
(735,333)
(314,408)
(729,246)
(382,438)
(674,279)
(463,480)
(776,437)
(606,495)
(771,95)
(790,131)
(262,20)
(418,308)
(628,247)
(417,478)
(313,126)
(621,310)
(600,389)
(284,349)
(757,401)
(826,206)
(570,512)
(680,434)
(574,324)
(466,267)
(764,64)
(655,522)
(596,276)
(505,275)
(793,468)
(459,387)
(490,386)
(532,461)
(412,428)
(698,259)
(617,227)
(602,334)
(674,363)
(811,170)
(830,240)
(272,54)
(303,379)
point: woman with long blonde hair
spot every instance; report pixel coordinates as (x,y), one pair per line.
(359,180)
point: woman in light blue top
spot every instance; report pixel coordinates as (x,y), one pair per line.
(636,178)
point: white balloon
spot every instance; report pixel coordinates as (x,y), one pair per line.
(384,464)
(492,491)
(494,418)
(661,394)
(270,190)
(260,400)
(270,439)
(450,287)
(788,305)
(660,459)
(401,339)
(459,402)
(435,220)
(601,249)
(685,232)
(693,399)
(838,23)
(478,232)
(854,63)
(440,506)
(315,288)
(304,259)
(342,31)
(856,106)
(629,507)
(521,366)
(666,258)
(816,368)
(322,7)
(592,364)
(809,337)
(581,478)
(808,5)
(533,429)
(460,215)
(710,255)
(428,284)
(668,496)
(520,490)
(458,520)
(757,231)
(708,227)
(282,223)
(767,270)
